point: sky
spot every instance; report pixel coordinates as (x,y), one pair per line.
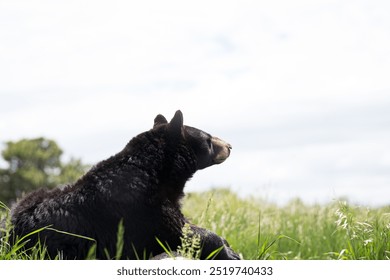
(300,89)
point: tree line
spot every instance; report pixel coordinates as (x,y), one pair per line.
(33,164)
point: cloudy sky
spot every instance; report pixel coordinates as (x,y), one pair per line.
(301,89)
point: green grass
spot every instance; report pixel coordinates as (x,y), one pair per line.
(261,230)
(7,252)
(257,229)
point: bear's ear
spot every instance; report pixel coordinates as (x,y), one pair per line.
(176,124)
(159,119)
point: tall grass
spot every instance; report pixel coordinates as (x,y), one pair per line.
(16,250)
(257,229)
(261,230)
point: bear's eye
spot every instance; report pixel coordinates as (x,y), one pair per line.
(209,142)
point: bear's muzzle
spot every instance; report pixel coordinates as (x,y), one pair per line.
(221,150)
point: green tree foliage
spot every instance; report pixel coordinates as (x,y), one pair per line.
(32,164)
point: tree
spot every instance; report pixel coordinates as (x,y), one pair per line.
(32,164)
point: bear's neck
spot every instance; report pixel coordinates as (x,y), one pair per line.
(148,164)
(169,164)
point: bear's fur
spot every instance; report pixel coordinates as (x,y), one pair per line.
(141,186)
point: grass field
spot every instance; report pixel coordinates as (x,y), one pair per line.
(261,230)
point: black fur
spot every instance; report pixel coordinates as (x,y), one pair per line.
(141,185)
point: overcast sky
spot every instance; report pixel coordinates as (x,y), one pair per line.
(301,89)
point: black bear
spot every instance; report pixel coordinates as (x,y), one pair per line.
(140,187)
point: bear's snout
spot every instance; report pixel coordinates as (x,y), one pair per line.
(221,149)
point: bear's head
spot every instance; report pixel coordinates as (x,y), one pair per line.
(208,150)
